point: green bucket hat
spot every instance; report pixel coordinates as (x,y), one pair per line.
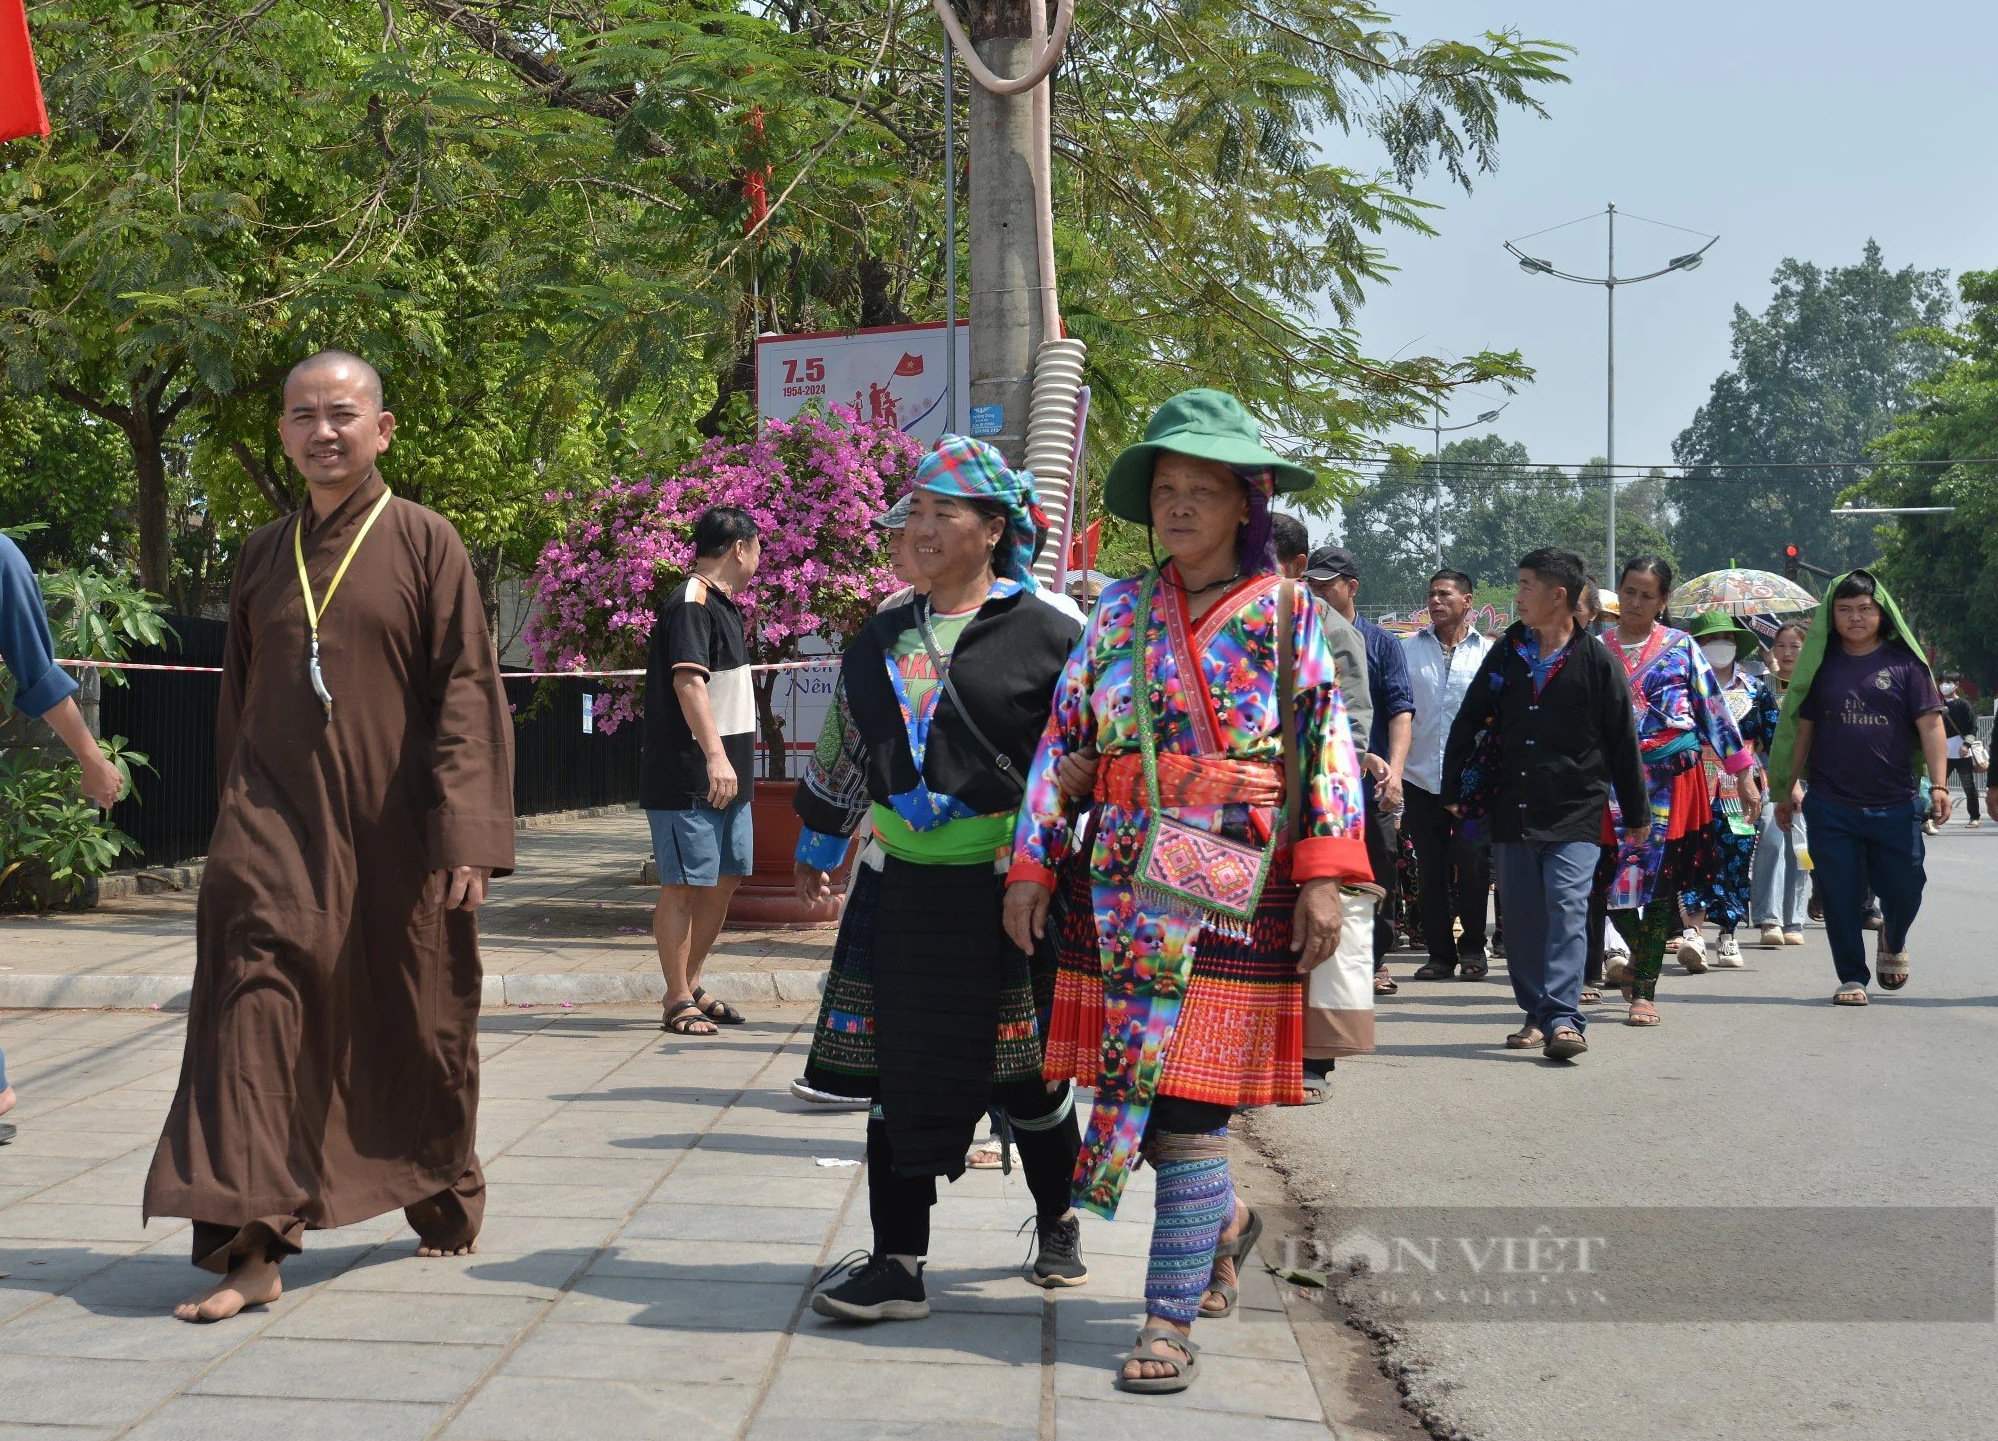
(1207,425)
(1712,624)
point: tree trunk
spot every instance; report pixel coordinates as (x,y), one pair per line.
(1005,261)
(149,464)
(768,726)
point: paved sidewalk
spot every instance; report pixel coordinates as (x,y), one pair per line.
(658,1207)
(570,924)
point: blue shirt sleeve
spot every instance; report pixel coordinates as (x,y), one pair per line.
(40,685)
(1387,683)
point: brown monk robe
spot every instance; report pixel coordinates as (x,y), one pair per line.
(331,1070)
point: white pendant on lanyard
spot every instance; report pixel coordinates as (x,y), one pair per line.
(314,610)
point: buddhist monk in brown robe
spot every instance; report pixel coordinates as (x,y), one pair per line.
(332,1068)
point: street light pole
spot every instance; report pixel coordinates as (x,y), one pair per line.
(1609,349)
(1610,280)
(1438,429)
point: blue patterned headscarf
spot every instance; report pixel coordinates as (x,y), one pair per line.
(967,469)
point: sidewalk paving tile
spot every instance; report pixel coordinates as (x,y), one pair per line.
(359,1316)
(537,1408)
(63,1390)
(898,1390)
(320,1370)
(204,1418)
(647,1354)
(656,1215)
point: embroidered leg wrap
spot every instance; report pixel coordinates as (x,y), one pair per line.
(1195,1200)
(1647,931)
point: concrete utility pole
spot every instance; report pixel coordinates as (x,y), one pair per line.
(1006,325)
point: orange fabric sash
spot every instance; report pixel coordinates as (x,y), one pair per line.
(1186,780)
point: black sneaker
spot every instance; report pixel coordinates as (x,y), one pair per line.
(1058,1254)
(876,1288)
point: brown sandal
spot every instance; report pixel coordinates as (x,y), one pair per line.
(1647,1017)
(683,1018)
(1385,984)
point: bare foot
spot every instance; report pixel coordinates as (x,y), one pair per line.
(1171,1361)
(249,1283)
(470,1248)
(7,1099)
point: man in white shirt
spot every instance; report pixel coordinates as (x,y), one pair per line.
(1454,872)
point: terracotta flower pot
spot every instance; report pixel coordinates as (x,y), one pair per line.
(766,897)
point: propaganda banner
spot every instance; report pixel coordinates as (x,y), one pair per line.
(895,373)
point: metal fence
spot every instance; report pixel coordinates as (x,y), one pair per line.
(170,717)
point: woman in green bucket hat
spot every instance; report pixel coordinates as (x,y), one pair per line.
(1723,891)
(1179,995)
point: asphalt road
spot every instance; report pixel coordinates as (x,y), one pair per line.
(1755,1092)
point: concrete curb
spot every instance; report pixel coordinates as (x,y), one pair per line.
(148,880)
(170,993)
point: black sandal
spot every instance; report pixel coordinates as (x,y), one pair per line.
(1474,973)
(682,1016)
(720,1012)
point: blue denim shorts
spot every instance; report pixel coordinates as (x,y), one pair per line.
(697,847)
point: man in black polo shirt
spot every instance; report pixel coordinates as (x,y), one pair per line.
(1545,732)
(699,766)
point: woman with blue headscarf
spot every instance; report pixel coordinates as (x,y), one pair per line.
(940,703)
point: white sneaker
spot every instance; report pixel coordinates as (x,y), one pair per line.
(1930,828)
(1793,938)
(831,1100)
(1692,951)
(1730,952)
(1973,823)
(1772,937)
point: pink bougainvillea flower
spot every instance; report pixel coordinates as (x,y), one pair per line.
(812,484)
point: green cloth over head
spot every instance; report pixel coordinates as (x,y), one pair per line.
(1823,632)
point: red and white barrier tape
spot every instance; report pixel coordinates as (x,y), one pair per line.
(811,664)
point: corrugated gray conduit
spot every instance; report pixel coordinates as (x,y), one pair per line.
(1058,366)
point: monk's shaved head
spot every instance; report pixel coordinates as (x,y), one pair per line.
(333,423)
(371,379)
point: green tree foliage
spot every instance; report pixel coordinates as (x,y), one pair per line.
(1818,376)
(66,472)
(1491,505)
(1944,568)
(535,220)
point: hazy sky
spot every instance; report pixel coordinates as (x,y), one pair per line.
(1788,128)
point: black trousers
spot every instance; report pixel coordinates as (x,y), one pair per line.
(1383,846)
(1964,771)
(1455,874)
(899,1206)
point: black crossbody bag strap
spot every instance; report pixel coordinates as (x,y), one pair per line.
(999,757)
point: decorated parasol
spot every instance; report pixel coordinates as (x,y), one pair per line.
(1760,597)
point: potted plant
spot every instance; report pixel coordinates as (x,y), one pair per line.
(813,485)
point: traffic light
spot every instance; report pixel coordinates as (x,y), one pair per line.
(1793,557)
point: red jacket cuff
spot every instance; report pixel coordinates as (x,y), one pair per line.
(1030,871)
(1342,858)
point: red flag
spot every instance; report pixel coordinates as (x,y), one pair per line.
(21,111)
(756,184)
(910,364)
(1082,550)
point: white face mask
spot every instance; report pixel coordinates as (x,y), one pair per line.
(1720,653)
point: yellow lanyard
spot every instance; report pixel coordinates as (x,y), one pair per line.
(314,610)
